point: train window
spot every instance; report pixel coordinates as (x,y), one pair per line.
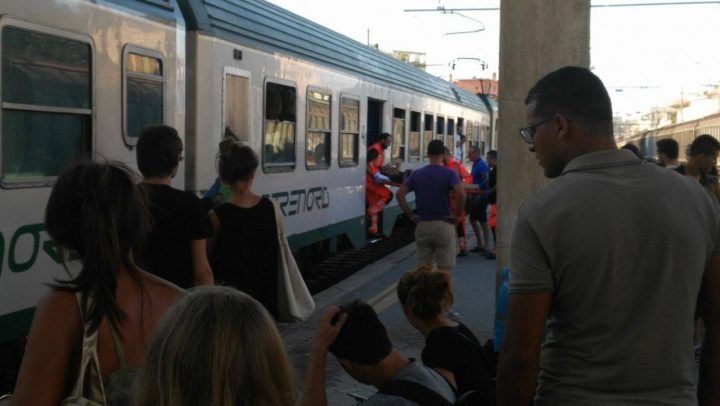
(280,119)
(143,84)
(440,132)
(398,143)
(318,131)
(46,104)
(236,109)
(450,135)
(414,141)
(427,134)
(349,131)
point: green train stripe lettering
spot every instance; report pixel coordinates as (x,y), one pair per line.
(34,230)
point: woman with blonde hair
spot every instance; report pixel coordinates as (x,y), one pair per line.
(425,296)
(216,346)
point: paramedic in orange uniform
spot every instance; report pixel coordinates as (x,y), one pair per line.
(377,195)
(465,177)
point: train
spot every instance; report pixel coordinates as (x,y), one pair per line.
(684,133)
(81,78)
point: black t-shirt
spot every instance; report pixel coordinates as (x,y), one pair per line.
(457,350)
(246,251)
(178,218)
(492,182)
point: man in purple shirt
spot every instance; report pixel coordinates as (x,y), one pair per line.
(435,232)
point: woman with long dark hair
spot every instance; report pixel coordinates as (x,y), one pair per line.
(89,333)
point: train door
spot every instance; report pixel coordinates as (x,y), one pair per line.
(236,105)
(374,199)
(374,120)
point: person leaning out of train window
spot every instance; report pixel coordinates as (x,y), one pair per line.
(702,163)
(175,248)
(89,334)
(244,250)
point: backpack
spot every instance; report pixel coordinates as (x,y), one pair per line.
(423,395)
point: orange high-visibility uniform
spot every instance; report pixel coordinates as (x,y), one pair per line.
(376,195)
(465,177)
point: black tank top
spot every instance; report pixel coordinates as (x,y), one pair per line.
(246,251)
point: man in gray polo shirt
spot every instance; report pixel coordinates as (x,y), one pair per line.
(606,273)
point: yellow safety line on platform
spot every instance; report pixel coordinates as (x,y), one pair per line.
(385,299)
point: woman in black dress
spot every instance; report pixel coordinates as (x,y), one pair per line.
(244,252)
(425,296)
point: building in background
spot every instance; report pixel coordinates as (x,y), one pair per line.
(417,59)
(490,87)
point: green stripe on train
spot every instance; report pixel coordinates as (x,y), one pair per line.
(17,324)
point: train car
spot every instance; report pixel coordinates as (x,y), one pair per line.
(684,133)
(309,100)
(79,78)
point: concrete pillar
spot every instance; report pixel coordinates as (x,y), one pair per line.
(536,37)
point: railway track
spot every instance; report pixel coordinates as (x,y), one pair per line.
(337,267)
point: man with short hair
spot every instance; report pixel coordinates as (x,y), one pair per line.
(358,339)
(478,203)
(377,195)
(703,160)
(435,231)
(668,150)
(175,249)
(606,276)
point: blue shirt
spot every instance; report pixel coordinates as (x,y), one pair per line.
(480,171)
(432,185)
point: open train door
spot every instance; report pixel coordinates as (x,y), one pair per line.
(374,129)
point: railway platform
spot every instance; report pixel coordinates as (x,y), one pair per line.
(474,288)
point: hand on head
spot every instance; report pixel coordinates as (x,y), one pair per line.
(329,326)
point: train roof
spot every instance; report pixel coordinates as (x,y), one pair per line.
(265,26)
(161,10)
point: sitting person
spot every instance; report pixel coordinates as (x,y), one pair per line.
(360,342)
(89,333)
(425,296)
(216,346)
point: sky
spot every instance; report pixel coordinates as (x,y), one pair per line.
(646,56)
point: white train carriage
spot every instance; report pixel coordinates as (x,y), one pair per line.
(78,79)
(308,99)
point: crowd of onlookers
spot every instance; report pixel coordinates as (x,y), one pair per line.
(613,266)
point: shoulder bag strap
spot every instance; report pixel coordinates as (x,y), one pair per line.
(89,372)
(415,392)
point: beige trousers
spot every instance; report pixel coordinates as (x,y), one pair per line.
(435,239)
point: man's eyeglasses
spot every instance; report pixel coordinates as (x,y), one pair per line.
(528,133)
